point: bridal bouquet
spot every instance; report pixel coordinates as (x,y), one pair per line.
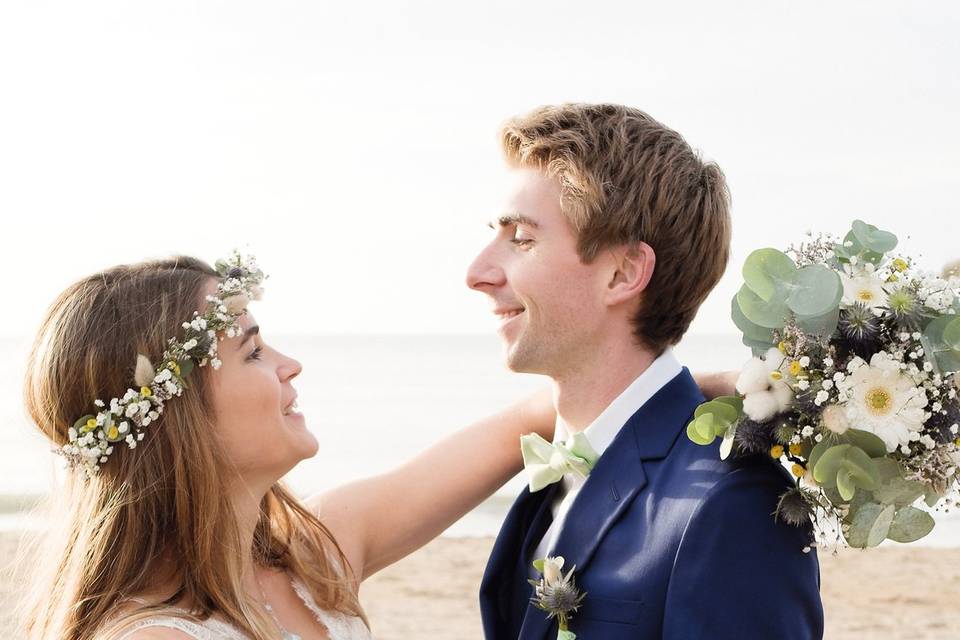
(853,385)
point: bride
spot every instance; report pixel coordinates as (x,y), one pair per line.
(172,521)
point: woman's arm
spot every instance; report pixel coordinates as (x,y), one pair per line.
(381,519)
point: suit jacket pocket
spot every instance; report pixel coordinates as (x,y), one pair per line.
(609,610)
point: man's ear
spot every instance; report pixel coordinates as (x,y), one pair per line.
(633,267)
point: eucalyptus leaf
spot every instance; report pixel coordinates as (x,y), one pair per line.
(887,469)
(871,443)
(769,314)
(818,290)
(864,254)
(823,326)
(846,466)
(880,529)
(700,430)
(845,485)
(861,468)
(723,411)
(910,524)
(750,330)
(899,492)
(861,524)
(734,401)
(872,238)
(818,451)
(951,334)
(829,464)
(769,273)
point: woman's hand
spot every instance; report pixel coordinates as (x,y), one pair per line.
(718,383)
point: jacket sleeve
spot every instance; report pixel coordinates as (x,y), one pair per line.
(741,574)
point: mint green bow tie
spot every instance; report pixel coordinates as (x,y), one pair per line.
(547,463)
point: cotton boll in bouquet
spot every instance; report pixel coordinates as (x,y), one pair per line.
(853,385)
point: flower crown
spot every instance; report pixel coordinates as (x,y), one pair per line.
(92,437)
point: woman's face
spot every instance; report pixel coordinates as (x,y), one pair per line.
(254,407)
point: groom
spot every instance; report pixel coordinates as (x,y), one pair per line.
(614,233)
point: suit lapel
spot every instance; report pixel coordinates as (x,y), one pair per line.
(616,480)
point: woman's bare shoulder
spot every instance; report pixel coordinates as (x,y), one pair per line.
(154,633)
(157,632)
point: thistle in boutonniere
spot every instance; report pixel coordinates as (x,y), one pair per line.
(556,593)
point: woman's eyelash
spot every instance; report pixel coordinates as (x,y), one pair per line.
(255,354)
(521,241)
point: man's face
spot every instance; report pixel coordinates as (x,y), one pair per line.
(549,303)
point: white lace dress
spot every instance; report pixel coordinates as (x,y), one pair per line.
(339,626)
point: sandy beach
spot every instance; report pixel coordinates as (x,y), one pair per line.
(891,593)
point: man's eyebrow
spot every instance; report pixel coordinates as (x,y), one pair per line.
(509,219)
(249,333)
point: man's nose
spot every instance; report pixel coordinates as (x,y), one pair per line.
(485,272)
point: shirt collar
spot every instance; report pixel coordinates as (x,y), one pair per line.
(601,432)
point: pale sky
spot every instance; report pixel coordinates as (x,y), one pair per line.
(353,147)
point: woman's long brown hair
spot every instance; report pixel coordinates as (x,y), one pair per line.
(167,498)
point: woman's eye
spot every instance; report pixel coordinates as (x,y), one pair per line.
(255,354)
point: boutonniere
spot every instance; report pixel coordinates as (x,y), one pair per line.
(556,593)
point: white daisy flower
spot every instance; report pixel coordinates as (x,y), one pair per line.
(885,402)
(865,289)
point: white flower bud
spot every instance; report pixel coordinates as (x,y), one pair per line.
(236,304)
(835,419)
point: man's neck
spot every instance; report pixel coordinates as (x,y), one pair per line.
(582,394)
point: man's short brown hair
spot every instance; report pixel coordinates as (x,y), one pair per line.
(627,178)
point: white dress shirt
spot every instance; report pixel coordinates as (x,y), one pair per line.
(601,433)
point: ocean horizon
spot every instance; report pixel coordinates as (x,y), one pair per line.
(403,392)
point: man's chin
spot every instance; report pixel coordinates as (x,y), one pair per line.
(517,359)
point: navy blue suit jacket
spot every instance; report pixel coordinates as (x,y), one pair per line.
(669,542)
